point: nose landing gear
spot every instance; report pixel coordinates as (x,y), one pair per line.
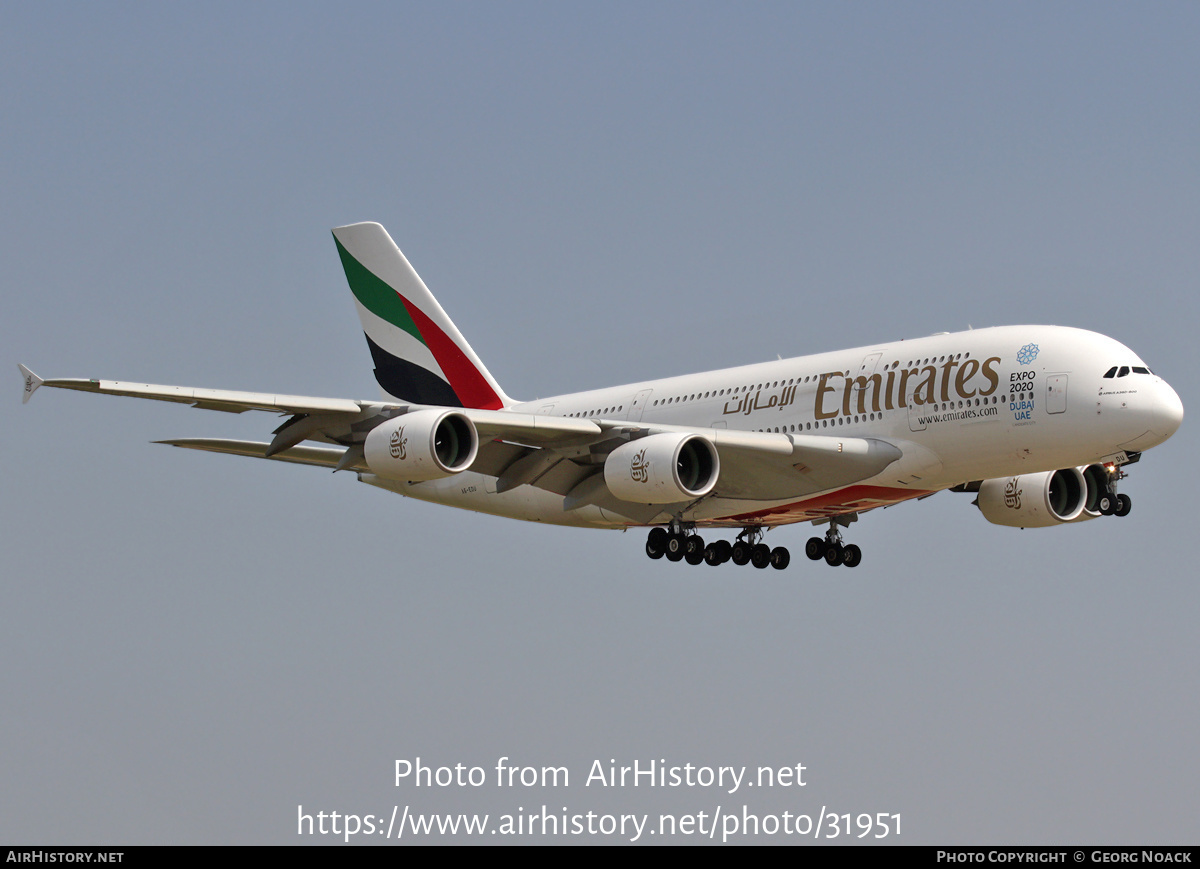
(1109,503)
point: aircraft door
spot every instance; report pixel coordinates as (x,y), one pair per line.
(868,365)
(637,404)
(1056,393)
(916,412)
(865,370)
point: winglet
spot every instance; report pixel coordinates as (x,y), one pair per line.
(32,382)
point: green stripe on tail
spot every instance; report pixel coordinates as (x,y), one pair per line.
(375,295)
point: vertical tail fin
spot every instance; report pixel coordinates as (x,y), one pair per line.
(420,356)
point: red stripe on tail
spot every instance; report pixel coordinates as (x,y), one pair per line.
(466,381)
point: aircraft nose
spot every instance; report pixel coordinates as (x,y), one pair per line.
(1168,411)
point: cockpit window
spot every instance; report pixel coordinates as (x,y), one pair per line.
(1123,371)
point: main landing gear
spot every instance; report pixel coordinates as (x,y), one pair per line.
(678,544)
(831,549)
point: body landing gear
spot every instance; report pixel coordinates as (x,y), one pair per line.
(750,549)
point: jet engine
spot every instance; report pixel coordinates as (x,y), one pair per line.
(422,445)
(1098,479)
(1042,500)
(662,469)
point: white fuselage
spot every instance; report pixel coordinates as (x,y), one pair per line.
(962,406)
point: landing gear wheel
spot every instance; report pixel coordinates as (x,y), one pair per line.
(694,557)
(815,548)
(740,553)
(1124,505)
(676,547)
(724,550)
(652,551)
(834,554)
(851,555)
(1106,504)
(694,545)
(712,554)
(780,558)
(760,555)
(658,538)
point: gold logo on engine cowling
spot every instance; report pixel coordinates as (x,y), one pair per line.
(398,442)
(1012,495)
(639,468)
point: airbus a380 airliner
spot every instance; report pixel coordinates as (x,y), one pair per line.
(1039,421)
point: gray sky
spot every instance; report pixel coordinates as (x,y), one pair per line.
(193,645)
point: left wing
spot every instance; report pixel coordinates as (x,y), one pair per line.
(336,420)
(558,454)
(227,400)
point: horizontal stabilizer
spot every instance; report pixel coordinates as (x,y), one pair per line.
(325,457)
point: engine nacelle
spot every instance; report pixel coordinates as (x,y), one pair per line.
(663,469)
(422,445)
(1097,478)
(1035,500)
